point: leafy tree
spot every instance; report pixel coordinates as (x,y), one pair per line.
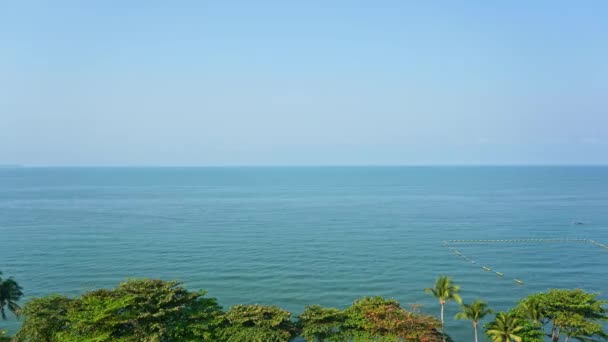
(318,323)
(141,310)
(379,319)
(44,318)
(356,313)
(532,323)
(530,310)
(506,327)
(445,290)
(530,331)
(257,323)
(198,320)
(572,313)
(474,312)
(576,326)
(10,293)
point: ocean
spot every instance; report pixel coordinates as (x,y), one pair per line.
(293,236)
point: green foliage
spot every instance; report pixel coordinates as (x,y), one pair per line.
(44,318)
(318,323)
(530,311)
(140,310)
(506,327)
(257,323)
(356,314)
(10,293)
(137,310)
(199,319)
(159,311)
(530,308)
(379,319)
(572,313)
(531,332)
(445,290)
(474,312)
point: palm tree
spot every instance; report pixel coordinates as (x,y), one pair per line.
(533,311)
(474,312)
(505,328)
(10,293)
(444,290)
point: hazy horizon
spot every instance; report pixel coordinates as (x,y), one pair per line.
(294,165)
(303,84)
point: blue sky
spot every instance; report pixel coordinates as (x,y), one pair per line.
(303,83)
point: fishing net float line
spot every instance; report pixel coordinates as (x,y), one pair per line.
(500,274)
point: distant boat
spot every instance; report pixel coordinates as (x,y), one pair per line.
(486,268)
(500,274)
(518,281)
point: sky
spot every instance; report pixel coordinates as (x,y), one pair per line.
(138,83)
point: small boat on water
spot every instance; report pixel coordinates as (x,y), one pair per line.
(457,253)
(473,262)
(518,281)
(500,274)
(486,268)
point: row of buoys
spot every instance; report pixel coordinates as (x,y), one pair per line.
(518,281)
(598,244)
(447,242)
(485,268)
(517,240)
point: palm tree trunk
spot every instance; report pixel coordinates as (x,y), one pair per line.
(475,327)
(442,329)
(567,337)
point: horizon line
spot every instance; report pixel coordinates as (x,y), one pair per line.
(9,166)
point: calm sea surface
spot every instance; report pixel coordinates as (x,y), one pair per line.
(296,236)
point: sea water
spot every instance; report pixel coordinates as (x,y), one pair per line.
(294,236)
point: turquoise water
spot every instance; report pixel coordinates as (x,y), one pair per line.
(296,236)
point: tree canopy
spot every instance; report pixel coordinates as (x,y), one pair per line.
(136,310)
(257,323)
(318,323)
(570,313)
(157,311)
(44,319)
(377,316)
(506,327)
